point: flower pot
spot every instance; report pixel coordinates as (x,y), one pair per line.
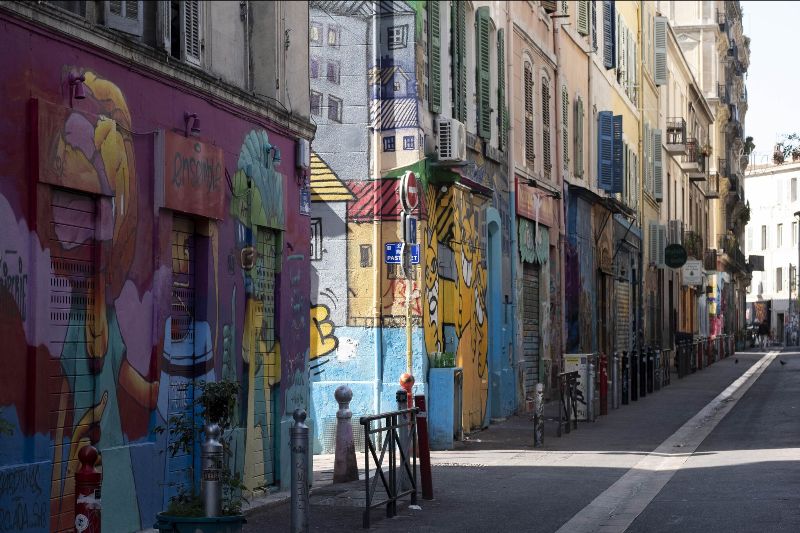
(199,524)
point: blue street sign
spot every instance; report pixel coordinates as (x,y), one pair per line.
(410,229)
(415,254)
(393,253)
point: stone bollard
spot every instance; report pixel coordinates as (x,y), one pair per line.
(538,417)
(344,466)
(299,446)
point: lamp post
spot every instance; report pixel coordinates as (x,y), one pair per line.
(795,321)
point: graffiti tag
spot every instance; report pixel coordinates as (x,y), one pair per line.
(13,279)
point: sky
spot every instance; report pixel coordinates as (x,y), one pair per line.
(773,82)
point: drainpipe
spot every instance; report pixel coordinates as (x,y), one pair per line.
(512,180)
(376,226)
(640,280)
(560,218)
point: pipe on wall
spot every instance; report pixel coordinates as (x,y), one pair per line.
(376,227)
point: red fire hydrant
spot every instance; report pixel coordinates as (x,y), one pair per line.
(87,492)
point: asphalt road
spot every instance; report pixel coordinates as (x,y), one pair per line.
(743,476)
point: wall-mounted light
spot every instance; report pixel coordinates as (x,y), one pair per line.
(276,155)
(191,122)
(77,90)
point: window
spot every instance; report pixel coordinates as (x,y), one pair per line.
(124,15)
(398,37)
(794,233)
(546,126)
(565,127)
(388,143)
(408,142)
(334,108)
(779,242)
(313,68)
(578,116)
(185,27)
(315,34)
(794,189)
(316,103)
(316,239)
(763,237)
(333,72)
(529,140)
(365,251)
(333,35)
(779,279)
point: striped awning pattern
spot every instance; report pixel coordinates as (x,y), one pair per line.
(395,114)
(325,184)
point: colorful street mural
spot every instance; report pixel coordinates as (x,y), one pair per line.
(114,305)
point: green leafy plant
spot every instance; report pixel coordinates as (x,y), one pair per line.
(442,360)
(217,401)
(6,429)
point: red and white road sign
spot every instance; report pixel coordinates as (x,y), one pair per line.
(409,192)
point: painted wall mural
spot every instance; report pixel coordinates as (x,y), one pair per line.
(112,314)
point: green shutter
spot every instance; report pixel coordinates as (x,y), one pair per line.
(529,139)
(434,57)
(484,77)
(458,14)
(583,17)
(501,88)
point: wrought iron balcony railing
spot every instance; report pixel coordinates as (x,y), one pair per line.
(693,242)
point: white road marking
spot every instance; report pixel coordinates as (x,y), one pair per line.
(614,510)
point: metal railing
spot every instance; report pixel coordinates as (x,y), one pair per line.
(567,402)
(676,130)
(395,448)
(693,242)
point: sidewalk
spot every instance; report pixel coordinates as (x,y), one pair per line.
(497,475)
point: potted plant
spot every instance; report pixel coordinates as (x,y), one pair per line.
(185,512)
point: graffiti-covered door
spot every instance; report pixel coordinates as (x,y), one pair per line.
(264,367)
(71,337)
(179,346)
(530,328)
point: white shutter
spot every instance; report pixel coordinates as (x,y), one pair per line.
(124,15)
(662,243)
(658,178)
(652,242)
(660,54)
(621,47)
(191,31)
(164,25)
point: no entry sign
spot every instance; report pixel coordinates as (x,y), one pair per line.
(409,192)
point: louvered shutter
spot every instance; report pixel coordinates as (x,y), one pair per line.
(618,154)
(652,242)
(458,12)
(547,162)
(660,54)
(501,90)
(484,78)
(635,179)
(609,48)
(605,150)
(646,158)
(622,46)
(529,140)
(578,164)
(124,15)
(593,12)
(658,179)
(565,128)
(662,244)
(583,17)
(564,7)
(191,31)
(434,57)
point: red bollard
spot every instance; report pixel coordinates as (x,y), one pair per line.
(603,384)
(424,449)
(87,492)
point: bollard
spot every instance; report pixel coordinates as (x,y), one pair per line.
(634,371)
(625,377)
(299,446)
(424,448)
(650,370)
(614,381)
(403,433)
(344,465)
(538,417)
(603,384)
(87,492)
(211,471)
(590,414)
(642,373)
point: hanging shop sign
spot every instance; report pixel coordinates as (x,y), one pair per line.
(194,176)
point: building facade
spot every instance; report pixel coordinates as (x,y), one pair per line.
(154,215)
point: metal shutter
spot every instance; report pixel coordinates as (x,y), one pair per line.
(530,327)
(623,296)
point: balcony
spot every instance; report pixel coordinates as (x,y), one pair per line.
(722,93)
(722,167)
(722,21)
(676,135)
(710,260)
(694,161)
(711,190)
(693,243)
(730,246)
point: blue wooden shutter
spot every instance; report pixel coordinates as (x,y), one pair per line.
(618,166)
(605,150)
(609,34)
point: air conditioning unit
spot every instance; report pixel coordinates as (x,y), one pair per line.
(303,156)
(452,137)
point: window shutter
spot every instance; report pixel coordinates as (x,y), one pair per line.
(191,31)
(564,7)
(501,90)
(609,51)
(605,150)
(622,46)
(578,164)
(635,179)
(583,17)
(458,13)
(124,15)
(662,243)
(660,55)
(565,128)
(646,158)
(529,140)
(593,12)
(618,166)
(547,162)
(484,77)
(652,242)
(658,180)
(434,57)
